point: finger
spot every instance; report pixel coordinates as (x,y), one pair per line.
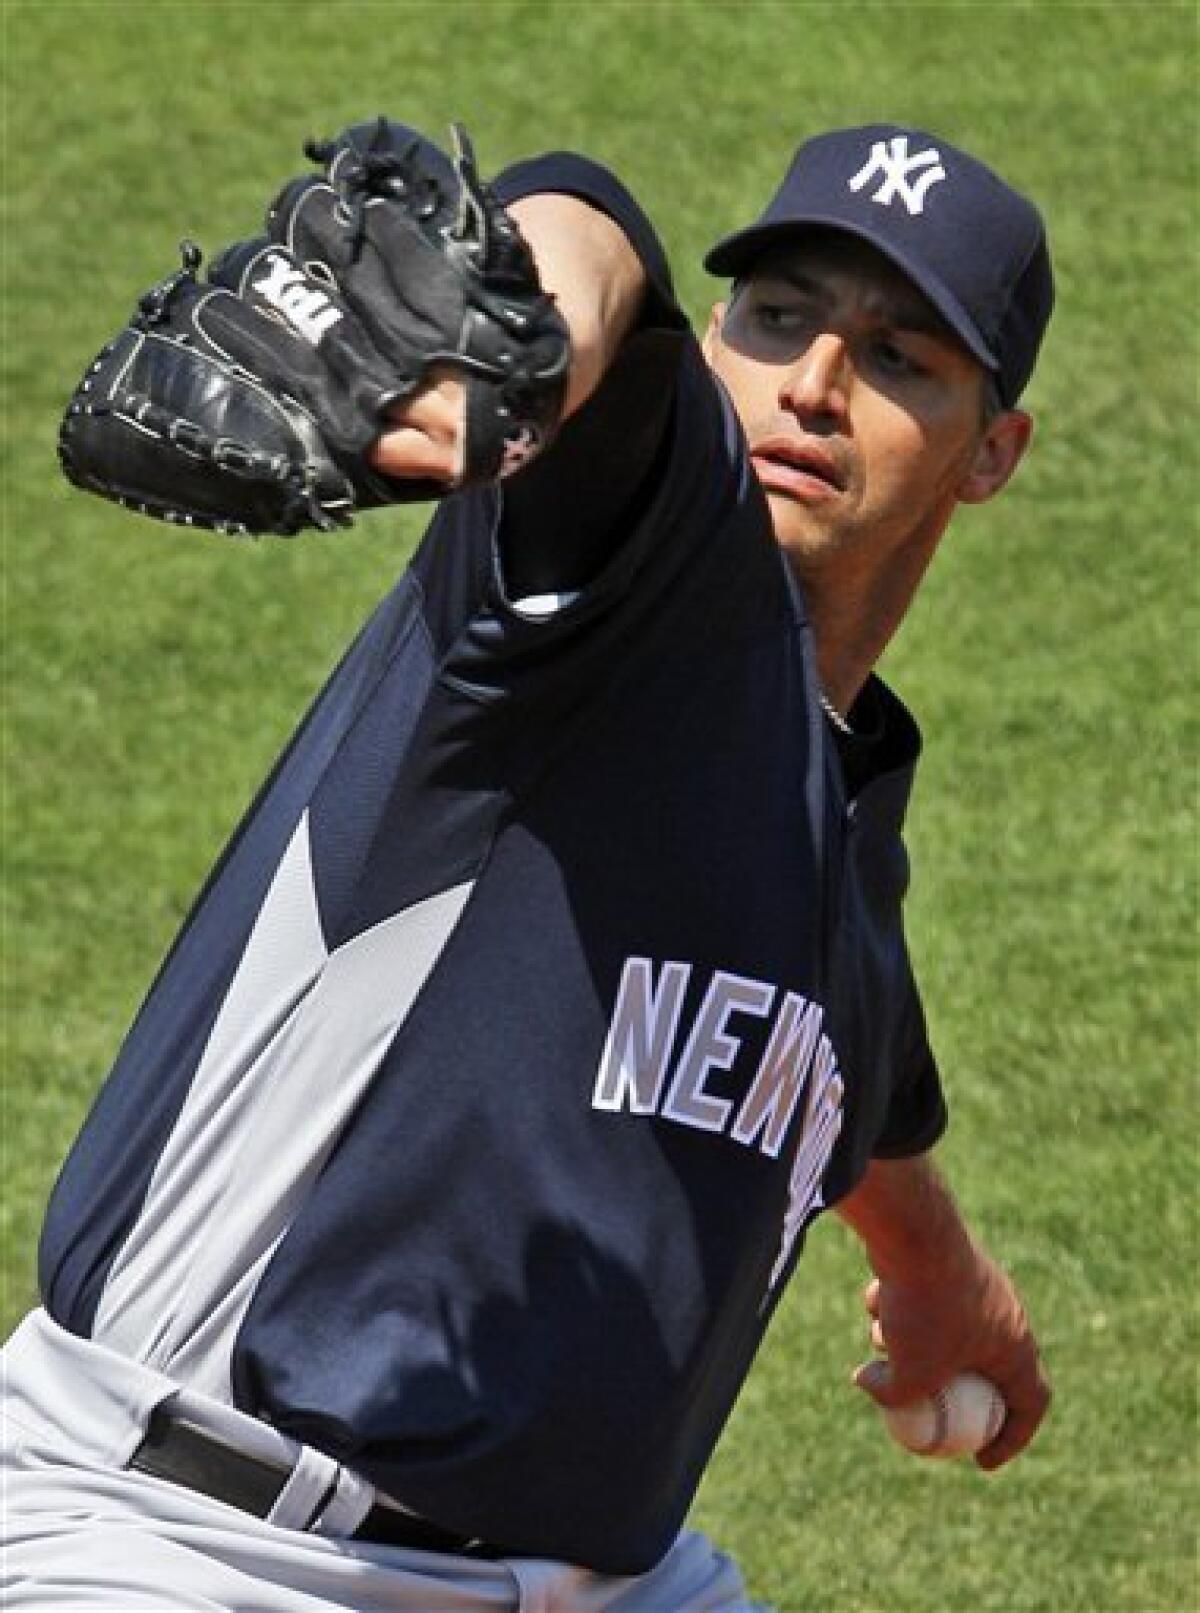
(871,1377)
(871,1297)
(437,412)
(889,1386)
(1022,1422)
(885,1386)
(438,405)
(411,454)
(878,1342)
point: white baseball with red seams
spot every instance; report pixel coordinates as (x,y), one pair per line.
(961,1418)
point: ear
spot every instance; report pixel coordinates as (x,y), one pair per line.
(997,455)
(712,335)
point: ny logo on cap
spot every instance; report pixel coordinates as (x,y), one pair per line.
(891,161)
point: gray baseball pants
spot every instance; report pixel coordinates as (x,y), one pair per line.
(84,1531)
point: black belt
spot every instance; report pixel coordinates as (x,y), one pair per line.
(184,1454)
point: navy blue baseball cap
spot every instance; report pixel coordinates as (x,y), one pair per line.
(974,246)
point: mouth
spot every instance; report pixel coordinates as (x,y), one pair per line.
(799,470)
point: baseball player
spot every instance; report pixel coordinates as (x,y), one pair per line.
(420,1241)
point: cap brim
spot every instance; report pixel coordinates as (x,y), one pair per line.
(734,255)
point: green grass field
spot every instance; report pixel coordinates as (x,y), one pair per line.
(151,676)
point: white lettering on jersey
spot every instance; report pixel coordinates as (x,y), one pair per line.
(709,1047)
(799,1061)
(823,1115)
(772,1098)
(306,308)
(637,1049)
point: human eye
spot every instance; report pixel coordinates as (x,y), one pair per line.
(775,316)
(896,359)
(783,320)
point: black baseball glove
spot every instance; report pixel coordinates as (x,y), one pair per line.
(246,402)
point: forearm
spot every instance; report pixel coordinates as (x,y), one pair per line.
(908,1221)
(586,263)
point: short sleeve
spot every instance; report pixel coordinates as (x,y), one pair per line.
(565,515)
(916,1116)
(881,1021)
(643,522)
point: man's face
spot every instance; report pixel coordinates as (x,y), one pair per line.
(863,412)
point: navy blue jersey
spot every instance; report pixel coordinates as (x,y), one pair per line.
(552,985)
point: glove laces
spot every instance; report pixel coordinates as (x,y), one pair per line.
(375,170)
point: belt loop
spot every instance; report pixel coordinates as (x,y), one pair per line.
(353,1497)
(304,1494)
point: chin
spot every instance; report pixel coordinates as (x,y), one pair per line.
(798,534)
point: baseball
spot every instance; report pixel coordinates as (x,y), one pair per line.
(963,1417)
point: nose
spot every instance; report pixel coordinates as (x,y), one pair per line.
(817,385)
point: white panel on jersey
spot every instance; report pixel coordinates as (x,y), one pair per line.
(298,1038)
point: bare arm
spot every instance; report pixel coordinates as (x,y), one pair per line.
(939,1304)
(588,266)
(586,263)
